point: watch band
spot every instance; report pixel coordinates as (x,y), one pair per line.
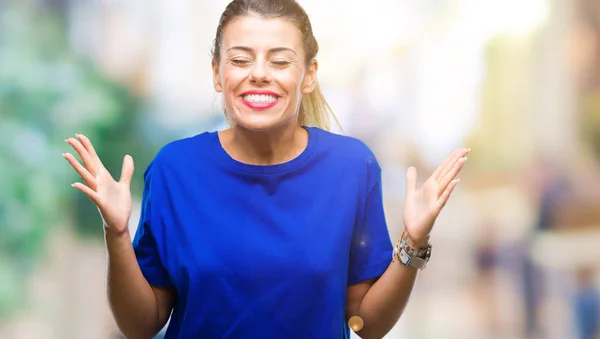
(415,262)
(403,253)
(418,252)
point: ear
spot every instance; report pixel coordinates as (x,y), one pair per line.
(216,78)
(310,79)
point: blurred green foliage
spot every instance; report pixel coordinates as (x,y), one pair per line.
(48,93)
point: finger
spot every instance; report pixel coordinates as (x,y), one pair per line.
(452,159)
(456,156)
(444,198)
(85,141)
(411,181)
(127,170)
(440,168)
(447,179)
(85,156)
(87,191)
(85,175)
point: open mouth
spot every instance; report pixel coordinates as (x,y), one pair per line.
(260,101)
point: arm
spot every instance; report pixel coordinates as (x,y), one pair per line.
(380,302)
(140,310)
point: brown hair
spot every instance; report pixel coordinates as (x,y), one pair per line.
(314,109)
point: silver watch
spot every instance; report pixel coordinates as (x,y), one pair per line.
(413,261)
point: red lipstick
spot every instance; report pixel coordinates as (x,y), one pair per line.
(260,105)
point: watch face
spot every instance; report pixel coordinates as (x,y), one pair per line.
(404,257)
(412,261)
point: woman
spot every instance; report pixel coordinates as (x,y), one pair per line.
(269,229)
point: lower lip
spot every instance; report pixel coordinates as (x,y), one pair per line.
(259,106)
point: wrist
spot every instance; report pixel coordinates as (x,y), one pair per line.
(413,254)
(417,243)
(113,235)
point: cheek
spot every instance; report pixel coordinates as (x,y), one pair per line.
(232,77)
(291,80)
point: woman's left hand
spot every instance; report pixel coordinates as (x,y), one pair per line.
(423,205)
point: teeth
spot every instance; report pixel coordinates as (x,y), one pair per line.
(260,99)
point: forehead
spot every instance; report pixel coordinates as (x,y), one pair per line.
(258,33)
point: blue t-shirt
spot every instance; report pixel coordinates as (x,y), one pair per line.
(262,251)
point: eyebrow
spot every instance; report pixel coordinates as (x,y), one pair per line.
(272,50)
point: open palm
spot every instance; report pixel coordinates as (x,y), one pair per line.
(113,198)
(423,205)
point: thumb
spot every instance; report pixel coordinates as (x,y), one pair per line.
(411,181)
(127,170)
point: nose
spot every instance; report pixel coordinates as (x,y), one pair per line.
(259,74)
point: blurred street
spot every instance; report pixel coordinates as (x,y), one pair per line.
(516,252)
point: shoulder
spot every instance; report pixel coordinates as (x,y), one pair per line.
(180,151)
(185,147)
(344,149)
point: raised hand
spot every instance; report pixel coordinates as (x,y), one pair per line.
(423,205)
(113,198)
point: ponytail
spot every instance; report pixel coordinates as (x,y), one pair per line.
(315,111)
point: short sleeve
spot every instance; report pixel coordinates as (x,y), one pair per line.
(145,244)
(371,248)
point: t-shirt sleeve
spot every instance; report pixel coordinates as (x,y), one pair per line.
(371,248)
(145,244)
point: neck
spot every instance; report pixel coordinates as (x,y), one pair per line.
(271,147)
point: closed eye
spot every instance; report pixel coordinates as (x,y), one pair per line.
(239,62)
(281,63)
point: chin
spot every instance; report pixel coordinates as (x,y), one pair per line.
(261,122)
(256,126)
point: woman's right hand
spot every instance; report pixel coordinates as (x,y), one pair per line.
(113,198)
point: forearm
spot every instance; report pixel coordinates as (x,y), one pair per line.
(130,296)
(385,301)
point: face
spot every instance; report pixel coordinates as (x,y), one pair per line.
(262,72)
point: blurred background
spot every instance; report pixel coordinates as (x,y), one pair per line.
(517,249)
